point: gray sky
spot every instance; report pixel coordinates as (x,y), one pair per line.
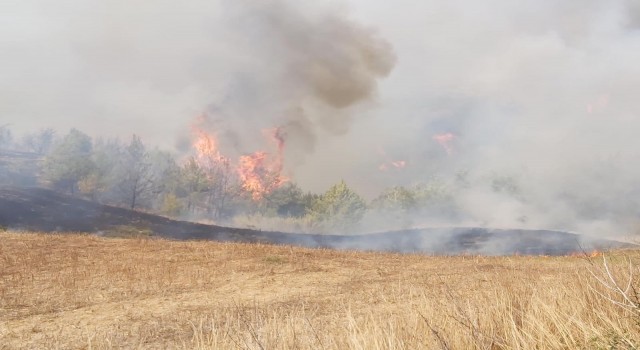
(545,91)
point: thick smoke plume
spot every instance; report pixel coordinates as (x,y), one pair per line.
(535,94)
(304,70)
(527,112)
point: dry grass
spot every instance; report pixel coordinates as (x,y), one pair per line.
(77,291)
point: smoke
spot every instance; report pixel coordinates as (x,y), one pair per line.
(304,69)
(542,93)
(250,61)
(325,56)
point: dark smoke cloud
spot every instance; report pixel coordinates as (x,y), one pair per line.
(334,59)
(319,62)
(544,92)
(150,68)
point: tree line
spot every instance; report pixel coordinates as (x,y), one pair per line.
(129,174)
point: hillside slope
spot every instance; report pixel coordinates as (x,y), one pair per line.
(38,209)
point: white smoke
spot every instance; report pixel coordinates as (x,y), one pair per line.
(540,91)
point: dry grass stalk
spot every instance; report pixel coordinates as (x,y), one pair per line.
(80,291)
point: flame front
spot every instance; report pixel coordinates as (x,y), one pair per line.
(445,140)
(259,173)
(258,176)
(390,163)
(207,153)
(593,254)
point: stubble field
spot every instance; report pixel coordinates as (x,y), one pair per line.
(86,292)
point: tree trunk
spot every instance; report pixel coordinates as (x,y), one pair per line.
(133,201)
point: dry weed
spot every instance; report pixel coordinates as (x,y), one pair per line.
(80,291)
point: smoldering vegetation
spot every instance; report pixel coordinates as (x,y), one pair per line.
(41,210)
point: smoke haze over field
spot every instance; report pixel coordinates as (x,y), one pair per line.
(543,93)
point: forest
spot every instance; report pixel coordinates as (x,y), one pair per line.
(205,187)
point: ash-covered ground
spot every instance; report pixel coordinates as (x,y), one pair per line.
(37,209)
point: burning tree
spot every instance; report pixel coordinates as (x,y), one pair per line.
(211,172)
(445,140)
(258,176)
(260,173)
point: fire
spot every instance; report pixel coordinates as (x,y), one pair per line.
(445,140)
(399,164)
(599,104)
(390,163)
(593,254)
(259,173)
(208,155)
(258,176)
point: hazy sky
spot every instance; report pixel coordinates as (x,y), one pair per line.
(545,91)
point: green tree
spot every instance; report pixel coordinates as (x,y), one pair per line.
(100,183)
(287,200)
(168,189)
(220,188)
(166,171)
(437,198)
(339,208)
(194,181)
(39,142)
(171,205)
(398,199)
(6,136)
(69,161)
(135,179)
(209,180)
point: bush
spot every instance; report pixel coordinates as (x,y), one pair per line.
(338,209)
(125,231)
(171,205)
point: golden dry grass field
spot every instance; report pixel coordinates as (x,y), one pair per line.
(87,292)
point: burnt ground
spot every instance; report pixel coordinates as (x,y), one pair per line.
(37,209)
(19,168)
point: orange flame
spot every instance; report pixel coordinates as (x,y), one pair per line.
(445,141)
(399,164)
(390,163)
(261,174)
(258,176)
(593,254)
(208,155)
